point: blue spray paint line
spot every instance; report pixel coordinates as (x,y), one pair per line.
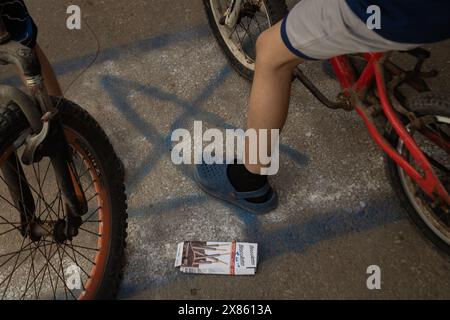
(286,239)
(294,238)
(118,52)
(118,88)
(163,207)
(194,108)
(329,226)
(299,238)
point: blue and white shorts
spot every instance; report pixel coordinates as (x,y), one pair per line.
(323,29)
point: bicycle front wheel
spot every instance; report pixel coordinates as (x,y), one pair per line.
(89,266)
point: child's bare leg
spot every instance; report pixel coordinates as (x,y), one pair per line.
(269,103)
(270,95)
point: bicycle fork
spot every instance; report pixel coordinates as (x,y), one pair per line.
(19,190)
(47,140)
(52,142)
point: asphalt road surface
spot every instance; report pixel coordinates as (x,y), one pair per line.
(160,69)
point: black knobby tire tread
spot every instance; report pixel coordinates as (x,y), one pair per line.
(428,103)
(277,10)
(424,102)
(13,122)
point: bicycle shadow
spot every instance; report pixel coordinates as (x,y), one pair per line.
(285,238)
(162,144)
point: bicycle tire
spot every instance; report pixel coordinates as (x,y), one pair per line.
(424,104)
(73,117)
(276,10)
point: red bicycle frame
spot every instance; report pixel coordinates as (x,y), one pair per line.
(427,180)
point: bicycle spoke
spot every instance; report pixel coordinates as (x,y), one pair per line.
(6,200)
(34,272)
(10,230)
(74,260)
(87,170)
(37,176)
(9,223)
(14,270)
(57,274)
(91,232)
(52,204)
(92,221)
(62,269)
(90,185)
(91,215)
(82,255)
(87,248)
(91,198)
(45,266)
(18,252)
(50,277)
(78,265)
(29,274)
(22,179)
(259,26)
(38,267)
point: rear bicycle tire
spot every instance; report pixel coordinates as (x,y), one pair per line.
(424,104)
(276,11)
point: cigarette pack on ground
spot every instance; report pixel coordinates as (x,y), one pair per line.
(224,258)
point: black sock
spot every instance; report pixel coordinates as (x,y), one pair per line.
(245,181)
